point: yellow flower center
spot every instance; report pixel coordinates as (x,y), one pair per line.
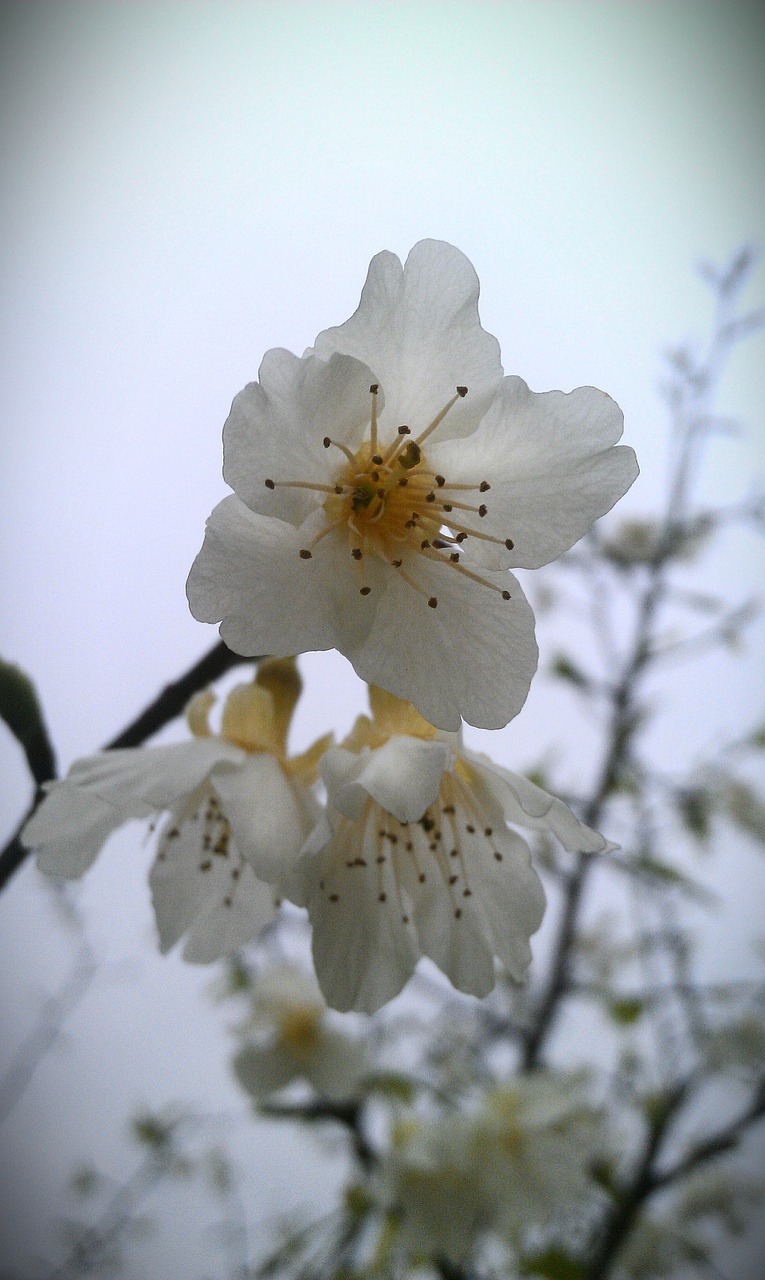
(299,1028)
(392,505)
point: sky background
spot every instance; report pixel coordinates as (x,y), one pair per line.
(187,185)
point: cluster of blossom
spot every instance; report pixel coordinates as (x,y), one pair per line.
(385,484)
(516,1163)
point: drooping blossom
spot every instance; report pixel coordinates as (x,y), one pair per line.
(291,1035)
(414,857)
(384,485)
(238,811)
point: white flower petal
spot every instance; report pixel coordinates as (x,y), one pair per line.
(216,899)
(472,657)
(527,805)
(403,776)
(552,465)
(103,791)
(268,817)
(417,328)
(156,776)
(337,1064)
(363,950)
(249,576)
(69,829)
(262,1069)
(510,898)
(276,427)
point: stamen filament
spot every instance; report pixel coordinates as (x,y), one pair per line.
(482,537)
(373,425)
(327,441)
(305,552)
(432,600)
(307,484)
(460,568)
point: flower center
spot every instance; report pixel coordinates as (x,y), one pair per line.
(299,1028)
(392,505)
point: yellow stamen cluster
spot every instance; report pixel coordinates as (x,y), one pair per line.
(395,507)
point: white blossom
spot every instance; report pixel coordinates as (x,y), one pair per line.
(413,857)
(292,1035)
(384,485)
(238,807)
(517,1161)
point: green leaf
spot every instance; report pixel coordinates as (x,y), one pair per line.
(626,1011)
(553,1264)
(663,872)
(20,709)
(391,1085)
(565,669)
(695,807)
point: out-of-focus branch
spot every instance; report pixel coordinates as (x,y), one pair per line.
(55,1011)
(165,707)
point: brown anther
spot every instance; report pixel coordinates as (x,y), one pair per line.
(448,506)
(357,553)
(235,873)
(404,431)
(454,853)
(364,591)
(482,510)
(410,524)
(421,877)
(453,879)
(487,831)
(305,554)
(338,488)
(470,828)
(334,897)
(433,602)
(404,481)
(458,913)
(509,543)
(462,392)
(497,855)
(431,497)
(397,563)
(484,486)
(227,902)
(377,460)
(382,897)
(405,919)
(326,442)
(270,484)
(380,859)
(440,481)
(425,544)
(375,387)
(455,557)
(467,893)
(460,537)
(505,595)
(205,866)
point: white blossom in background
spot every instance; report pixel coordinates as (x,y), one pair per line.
(238,811)
(292,1035)
(538,1141)
(413,857)
(518,1161)
(384,485)
(429,1187)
